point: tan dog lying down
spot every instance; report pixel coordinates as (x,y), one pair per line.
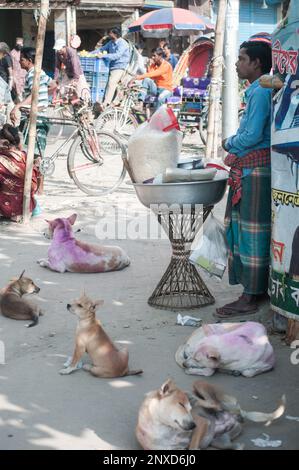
(170,419)
(238,348)
(12,304)
(68,254)
(107,360)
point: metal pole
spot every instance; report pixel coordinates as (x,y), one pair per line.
(230,95)
(44,9)
(216,82)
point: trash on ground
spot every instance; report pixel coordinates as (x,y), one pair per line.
(188,321)
(266,442)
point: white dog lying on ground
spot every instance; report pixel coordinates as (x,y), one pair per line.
(237,348)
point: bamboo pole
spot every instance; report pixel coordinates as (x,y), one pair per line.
(44,9)
(216,81)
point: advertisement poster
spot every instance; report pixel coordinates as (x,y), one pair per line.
(284,282)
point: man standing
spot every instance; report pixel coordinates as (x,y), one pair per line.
(19,74)
(248,211)
(68,70)
(158,80)
(6,65)
(118,54)
(46,85)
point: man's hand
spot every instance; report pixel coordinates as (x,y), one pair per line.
(14,114)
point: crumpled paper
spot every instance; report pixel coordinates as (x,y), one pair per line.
(188,321)
(266,442)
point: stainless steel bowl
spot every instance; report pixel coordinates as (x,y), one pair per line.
(207,193)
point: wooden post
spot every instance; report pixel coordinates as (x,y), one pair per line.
(216,82)
(44,9)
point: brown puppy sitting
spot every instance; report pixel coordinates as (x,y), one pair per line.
(12,305)
(107,360)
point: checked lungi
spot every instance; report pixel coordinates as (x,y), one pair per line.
(248,232)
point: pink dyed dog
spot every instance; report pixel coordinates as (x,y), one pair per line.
(241,348)
(68,254)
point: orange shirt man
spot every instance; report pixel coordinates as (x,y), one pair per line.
(158,81)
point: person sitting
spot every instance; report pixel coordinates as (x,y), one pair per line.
(158,79)
(171,58)
(12,175)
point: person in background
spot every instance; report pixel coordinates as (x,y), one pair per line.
(171,58)
(46,86)
(117,51)
(161,43)
(6,65)
(248,210)
(19,74)
(12,175)
(68,70)
(141,60)
(158,79)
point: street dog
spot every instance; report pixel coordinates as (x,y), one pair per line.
(171,419)
(236,348)
(107,360)
(68,254)
(12,304)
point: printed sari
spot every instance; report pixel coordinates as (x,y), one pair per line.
(12,175)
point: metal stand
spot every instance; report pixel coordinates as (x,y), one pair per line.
(181,287)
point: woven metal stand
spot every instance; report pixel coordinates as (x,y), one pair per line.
(181,287)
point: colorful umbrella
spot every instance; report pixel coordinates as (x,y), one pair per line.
(171,21)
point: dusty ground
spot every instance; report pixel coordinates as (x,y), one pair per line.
(39,409)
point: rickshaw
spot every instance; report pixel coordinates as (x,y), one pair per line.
(189,100)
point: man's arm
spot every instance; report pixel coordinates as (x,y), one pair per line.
(258,115)
(153,73)
(121,48)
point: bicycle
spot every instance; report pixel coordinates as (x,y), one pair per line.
(95,160)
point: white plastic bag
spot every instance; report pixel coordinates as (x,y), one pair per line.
(211,255)
(155,145)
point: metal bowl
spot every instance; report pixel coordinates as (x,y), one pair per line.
(207,193)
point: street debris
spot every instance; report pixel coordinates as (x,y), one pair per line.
(188,321)
(266,442)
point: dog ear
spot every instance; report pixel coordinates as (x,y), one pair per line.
(22,274)
(166,388)
(72,219)
(213,355)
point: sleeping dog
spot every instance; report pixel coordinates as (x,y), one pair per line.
(68,254)
(171,419)
(237,348)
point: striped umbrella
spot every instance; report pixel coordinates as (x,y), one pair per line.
(171,21)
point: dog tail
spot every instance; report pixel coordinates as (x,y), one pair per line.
(34,321)
(267,418)
(134,372)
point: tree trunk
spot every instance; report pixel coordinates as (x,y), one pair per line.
(44,9)
(216,83)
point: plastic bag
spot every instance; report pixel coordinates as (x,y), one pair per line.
(211,255)
(155,146)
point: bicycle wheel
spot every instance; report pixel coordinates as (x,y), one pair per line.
(117,119)
(93,177)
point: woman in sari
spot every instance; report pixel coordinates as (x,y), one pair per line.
(12,174)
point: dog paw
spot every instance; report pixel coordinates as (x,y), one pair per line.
(66,371)
(43,262)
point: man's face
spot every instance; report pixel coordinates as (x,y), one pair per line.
(166,51)
(244,66)
(19,44)
(112,36)
(62,51)
(157,59)
(25,63)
